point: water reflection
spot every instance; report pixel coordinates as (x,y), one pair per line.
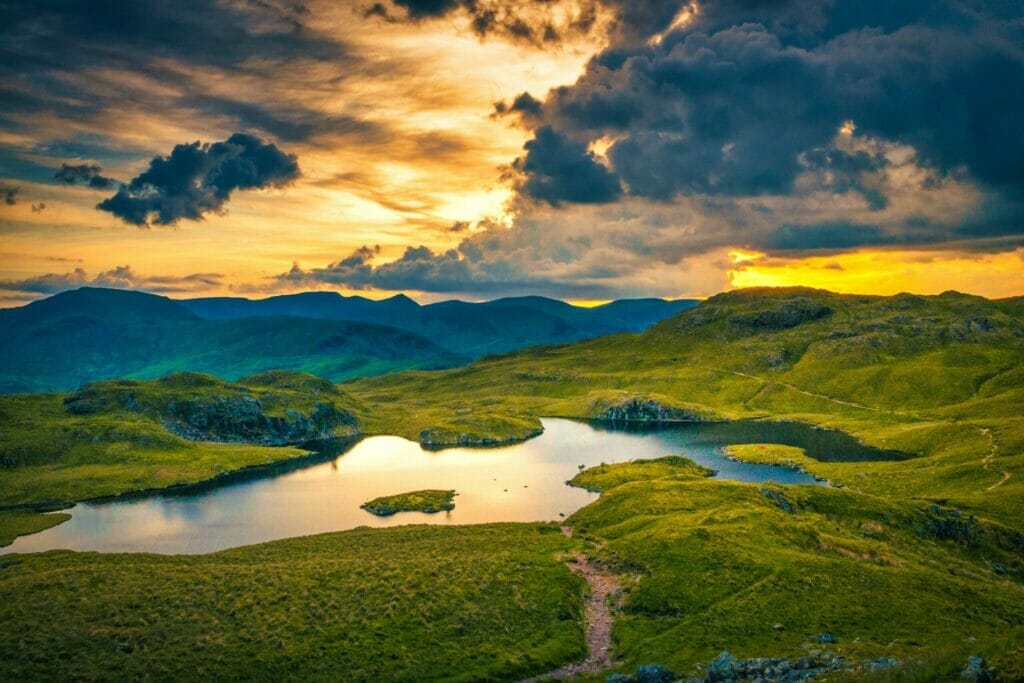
(522,482)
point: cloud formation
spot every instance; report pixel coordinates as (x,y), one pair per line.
(120,277)
(533,22)
(9,194)
(557,168)
(198,178)
(84,174)
(730,103)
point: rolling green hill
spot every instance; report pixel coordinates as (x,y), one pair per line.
(89,334)
(470,329)
(940,378)
(900,571)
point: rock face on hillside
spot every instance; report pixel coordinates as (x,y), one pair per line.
(789,314)
(242,419)
(203,408)
(647,410)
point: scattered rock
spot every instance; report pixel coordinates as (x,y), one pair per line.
(977,671)
(725,668)
(653,673)
(998,567)
(826,638)
(880,663)
(778,497)
(949,524)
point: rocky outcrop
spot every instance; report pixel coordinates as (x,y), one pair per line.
(279,408)
(789,314)
(243,419)
(647,410)
(949,524)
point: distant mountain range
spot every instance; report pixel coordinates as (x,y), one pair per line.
(90,333)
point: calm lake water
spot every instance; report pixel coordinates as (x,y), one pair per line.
(518,483)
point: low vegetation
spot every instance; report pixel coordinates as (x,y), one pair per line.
(604,477)
(429,500)
(918,561)
(124,436)
(14,523)
(768,571)
(491,602)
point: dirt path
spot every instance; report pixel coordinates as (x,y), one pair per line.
(798,390)
(993,451)
(598,619)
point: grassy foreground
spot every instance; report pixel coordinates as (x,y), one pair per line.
(429,500)
(764,571)
(412,603)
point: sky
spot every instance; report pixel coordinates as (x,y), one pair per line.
(580,149)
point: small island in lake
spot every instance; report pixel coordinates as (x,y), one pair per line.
(430,500)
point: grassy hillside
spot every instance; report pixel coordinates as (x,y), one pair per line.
(937,377)
(491,602)
(920,560)
(110,438)
(59,343)
(768,571)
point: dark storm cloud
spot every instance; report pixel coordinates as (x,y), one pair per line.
(52,48)
(49,33)
(197,178)
(556,168)
(751,94)
(85,174)
(9,193)
(828,236)
(531,22)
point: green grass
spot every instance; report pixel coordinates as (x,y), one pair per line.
(919,559)
(711,565)
(111,437)
(923,375)
(428,500)
(604,477)
(14,523)
(490,602)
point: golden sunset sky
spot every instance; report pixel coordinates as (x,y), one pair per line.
(664,148)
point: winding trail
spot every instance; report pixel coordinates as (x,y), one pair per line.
(837,401)
(993,451)
(598,619)
(986,462)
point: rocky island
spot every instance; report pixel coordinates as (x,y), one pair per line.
(428,500)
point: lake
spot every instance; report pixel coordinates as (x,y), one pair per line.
(522,482)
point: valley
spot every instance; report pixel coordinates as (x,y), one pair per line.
(911,561)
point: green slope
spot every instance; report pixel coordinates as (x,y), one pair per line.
(490,602)
(935,377)
(921,560)
(76,337)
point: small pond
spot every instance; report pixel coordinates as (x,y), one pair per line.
(523,482)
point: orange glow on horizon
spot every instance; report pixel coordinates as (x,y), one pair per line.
(882,272)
